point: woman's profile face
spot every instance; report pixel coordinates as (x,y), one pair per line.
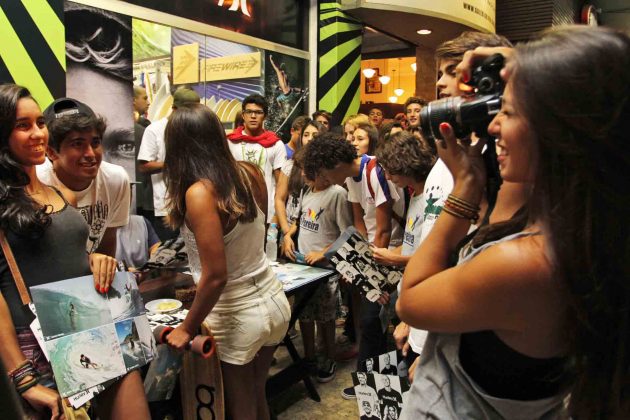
(29,138)
(361,141)
(348,131)
(516,144)
(308,133)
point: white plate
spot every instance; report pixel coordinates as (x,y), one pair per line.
(163,306)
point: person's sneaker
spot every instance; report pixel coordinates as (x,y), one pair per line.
(293,334)
(327,373)
(348,393)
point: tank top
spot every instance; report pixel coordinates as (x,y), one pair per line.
(58,254)
(444,389)
(244,251)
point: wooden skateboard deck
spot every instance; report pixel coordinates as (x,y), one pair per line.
(201,385)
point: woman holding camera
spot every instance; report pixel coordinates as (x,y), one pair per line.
(539,306)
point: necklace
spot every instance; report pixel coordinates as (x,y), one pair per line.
(44,190)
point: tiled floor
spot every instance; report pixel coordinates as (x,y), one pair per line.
(295,403)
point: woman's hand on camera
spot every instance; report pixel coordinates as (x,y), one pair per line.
(462,158)
(103,268)
(473,58)
(43,398)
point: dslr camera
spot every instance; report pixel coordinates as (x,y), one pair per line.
(468,114)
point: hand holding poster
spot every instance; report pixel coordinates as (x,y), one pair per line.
(352,257)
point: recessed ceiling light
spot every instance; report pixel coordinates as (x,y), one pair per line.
(424,31)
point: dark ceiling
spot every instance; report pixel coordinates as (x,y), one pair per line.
(401,28)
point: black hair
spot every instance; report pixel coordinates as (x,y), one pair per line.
(256,99)
(326,151)
(61,127)
(18,211)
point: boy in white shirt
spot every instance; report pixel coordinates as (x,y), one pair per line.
(102,189)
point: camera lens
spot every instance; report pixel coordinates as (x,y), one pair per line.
(437,112)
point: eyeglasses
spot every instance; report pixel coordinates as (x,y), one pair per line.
(253,112)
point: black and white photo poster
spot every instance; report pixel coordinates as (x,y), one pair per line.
(352,257)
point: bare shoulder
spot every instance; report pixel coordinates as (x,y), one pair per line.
(524,261)
(200,192)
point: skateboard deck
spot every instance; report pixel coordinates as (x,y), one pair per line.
(201,385)
(199,371)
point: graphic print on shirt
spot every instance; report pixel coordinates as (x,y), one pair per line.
(309,219)
(409,229)
(434,202)
(96,216)
(257,157)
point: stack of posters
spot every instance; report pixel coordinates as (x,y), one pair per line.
(351,256)
(381,392)
(91,338)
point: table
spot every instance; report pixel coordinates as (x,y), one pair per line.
(294,278)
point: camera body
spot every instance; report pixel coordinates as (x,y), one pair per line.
(468,114)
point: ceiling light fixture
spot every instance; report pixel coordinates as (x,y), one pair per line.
(414,67)
(399,91)
(369,72)
(393,99)
(384,79)
(424,31)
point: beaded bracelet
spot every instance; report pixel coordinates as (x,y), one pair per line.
(455,209)
(463,203)
(22,388)
(22,365)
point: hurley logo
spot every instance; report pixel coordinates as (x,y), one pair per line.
(236,5)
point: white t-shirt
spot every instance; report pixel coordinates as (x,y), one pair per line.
(153,149)
(103,204)
(413,225)
(359,192)
(267,159)
(324,215)
(437,187)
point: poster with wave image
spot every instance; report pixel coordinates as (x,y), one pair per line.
(92,337)
(83,360)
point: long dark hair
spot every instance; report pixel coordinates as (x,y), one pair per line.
(18,211)
(197,150)
(296,180)
(572,86)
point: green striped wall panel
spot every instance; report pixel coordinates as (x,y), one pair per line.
(339,61)
(32,47)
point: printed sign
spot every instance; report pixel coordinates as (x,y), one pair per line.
(233,67)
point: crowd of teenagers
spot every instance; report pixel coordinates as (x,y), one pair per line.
(517,307)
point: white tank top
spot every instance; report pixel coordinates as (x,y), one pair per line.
(244,251)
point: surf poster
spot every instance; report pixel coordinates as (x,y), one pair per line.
(91,337)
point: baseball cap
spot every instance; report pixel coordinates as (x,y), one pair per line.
(65,106)
(185,96)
